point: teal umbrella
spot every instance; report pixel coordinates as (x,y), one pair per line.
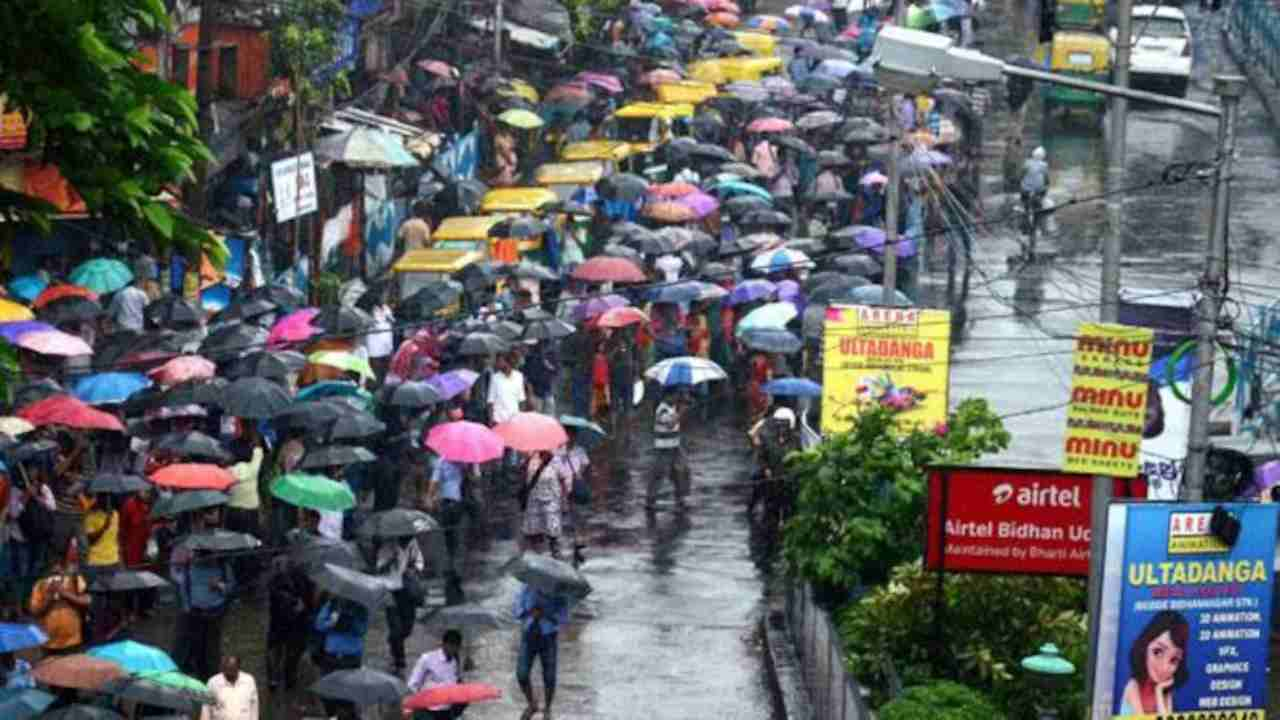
(315,492)
(102,275)
(135,657)
(27,287)
(23,704)
(767,317)
(737,187)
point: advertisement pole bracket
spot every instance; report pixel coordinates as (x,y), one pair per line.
(940,598)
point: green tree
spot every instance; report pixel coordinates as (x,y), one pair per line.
(304,39)
(120,135)
(860,501)
(587,16)
(940,701)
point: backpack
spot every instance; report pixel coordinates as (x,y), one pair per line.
(36,522)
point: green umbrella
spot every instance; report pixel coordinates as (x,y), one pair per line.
(315,492)
(102,275)
(343,361)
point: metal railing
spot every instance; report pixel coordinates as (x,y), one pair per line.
(833,693)
(1255,25)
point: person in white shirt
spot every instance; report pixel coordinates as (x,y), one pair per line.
(235,695)
(126,307)
(434,669)
(401,559)
(28,558)
(506,398)
(379,341)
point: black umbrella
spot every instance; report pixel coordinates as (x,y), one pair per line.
(116,484)
(35,391)
(768,218)
(480,343)
(627,229)
(354,426)
(471,617)
(521,226)
(371,591)
(247,308)
(188,501)
(398,522)
(22,452)
(506,329)
(552,576)
(172,311)
(477,276)
(314,415)
(742,170)
(234,340)
(280,295)
(547,330)
(429,299)
(616,250)
(623,186)
(314,552)
(651,245)
(218,540)
(742,204)
(820,278)
(715,153)
(772,340)
(362,686)
(193,392)
(128,580)
(531,271)
(69,310)
(336,456)
(82,712)
(342,320)
(272,364)
(833,158)
(859,264)
(195,445)
(411,394)
(255,398)
(715,271)
(145,689)
(792,142)
(863,131)
(533,313)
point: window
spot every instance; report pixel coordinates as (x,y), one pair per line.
(180,66)
(228,72)
(1159,27)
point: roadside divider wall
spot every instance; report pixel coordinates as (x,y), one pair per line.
(833,692)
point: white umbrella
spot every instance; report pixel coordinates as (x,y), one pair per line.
(685,371)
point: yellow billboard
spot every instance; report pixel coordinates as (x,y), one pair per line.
(1107,415)
(895,357)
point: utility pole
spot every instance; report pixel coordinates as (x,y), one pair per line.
(1228,88)
(198,201)
(890,281)
(498,24)
(1115,165)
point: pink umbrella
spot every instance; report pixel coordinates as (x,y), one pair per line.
(604,81)
(770,124)
(661,76)
(531,432)
(465,442)
(294,327)
(53,342)
(701,203)
(439,69)
(69,412)
(182,369)
(874,178)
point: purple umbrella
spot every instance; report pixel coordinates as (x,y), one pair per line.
(873,239)
(11,330)
(592,307)
(788,290)
(701,203)
(1265,477)
(453,383)
(749,290)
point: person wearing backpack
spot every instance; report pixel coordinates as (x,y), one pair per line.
(30,513)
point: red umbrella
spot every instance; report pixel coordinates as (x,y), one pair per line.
(621,317)
(463,694)
(67,411)
(673,190)
(57,292)
(609,269)
(193,476)
(670,211)
(531,432)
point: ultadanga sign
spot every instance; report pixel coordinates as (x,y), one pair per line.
(898,358)
(1108,410)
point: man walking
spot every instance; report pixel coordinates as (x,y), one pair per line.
(435,668)
(542,615)
(205,583)
(506,398)
(235,694)
(668,455)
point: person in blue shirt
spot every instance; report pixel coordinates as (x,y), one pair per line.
(542,615)
(341,626)
(205,586)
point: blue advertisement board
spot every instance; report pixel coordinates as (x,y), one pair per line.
(1186,619)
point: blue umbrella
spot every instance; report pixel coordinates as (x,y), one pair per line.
(685,371)
(19,636)
(677,293)
(874,294)
(109,388)
(793,387)
(772,340)
(333,388)
(23,704)
(135,657)
(589,434)
(750,290)
(453,383)
(11,330)
(27,287)
(737,187)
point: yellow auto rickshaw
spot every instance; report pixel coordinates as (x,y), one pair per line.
(646,125)
(760,44)
(614,152)
(1079,54)
(566,178)
(1082,14)
(691,92)
(418,268)
(506,202)
(732,69)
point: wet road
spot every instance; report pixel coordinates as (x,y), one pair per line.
(1024,343)
(668,631)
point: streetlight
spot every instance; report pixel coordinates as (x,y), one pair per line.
(1049,671)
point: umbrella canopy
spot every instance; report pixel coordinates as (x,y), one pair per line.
(793,387)
(470,617)
(218,540)
(316,415)
(294,327)
(342,320)
(11,330)
(335,456)
(482,343)
(549,329)
(171,690)
(101,275)
(57,292)
(609,269)
(23,704)
(395,523)
(315,492)
(110,388)
(750,291)
(458,694)
(11,311)
(193,476)
(365,148)
(247,309)
(770,125)
(685,371)
(668,211)
(464,441)
(78,672)
(53,342)
(621,317)
(413,394)
(116,484)
(135,657)
(836,290)
(128,581)
(819,119)
(774,315)
(312,552)
(255,398)
(353,393)
(234,340)
(522,119)
(362,686)
(531,432)
(15,426)
(859,264)
(429,299)
(70,412)
(182,369)
(781,260)
(270,364)
(772,341)
(193,444)
(620,186)
(27,287)
(551,576)
(371,591)
(172,311)
(190,501)
(345,361)
(874,294)
(20,636)
(453,383)
(738,187)
(82,712)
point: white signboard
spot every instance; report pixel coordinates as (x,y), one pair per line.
(293,183)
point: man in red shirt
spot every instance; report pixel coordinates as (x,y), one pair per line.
(135,531)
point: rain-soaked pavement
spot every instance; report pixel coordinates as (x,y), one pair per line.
(669,630)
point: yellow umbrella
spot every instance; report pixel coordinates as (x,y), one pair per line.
(11,311)
(520,88)
(15,426)
(343,361)
(522,119)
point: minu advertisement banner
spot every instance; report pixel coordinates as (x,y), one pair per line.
(895,357)
(1186,619)
(1107,414)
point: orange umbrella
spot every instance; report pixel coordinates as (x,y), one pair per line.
(723,19)
(193,476)
(673,190)
(670,212)
(78,672)
(57,292)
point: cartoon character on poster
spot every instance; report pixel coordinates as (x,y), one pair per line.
(1157,665)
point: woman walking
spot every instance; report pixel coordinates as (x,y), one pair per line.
(544,491)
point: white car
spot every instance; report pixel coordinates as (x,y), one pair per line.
(1160,60)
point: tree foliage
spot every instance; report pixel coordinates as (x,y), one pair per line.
(860,503)
(304,39)
(940,701)
(119,134)
(587,16)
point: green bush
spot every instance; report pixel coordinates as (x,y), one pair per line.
(989,623)
(860,494)
(940,701)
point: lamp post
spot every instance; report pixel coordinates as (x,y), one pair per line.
(1048,671)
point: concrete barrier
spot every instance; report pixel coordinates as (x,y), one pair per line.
(833,692)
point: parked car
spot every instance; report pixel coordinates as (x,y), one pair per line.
(1162,49)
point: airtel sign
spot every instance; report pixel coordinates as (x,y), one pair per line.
(1011,521)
